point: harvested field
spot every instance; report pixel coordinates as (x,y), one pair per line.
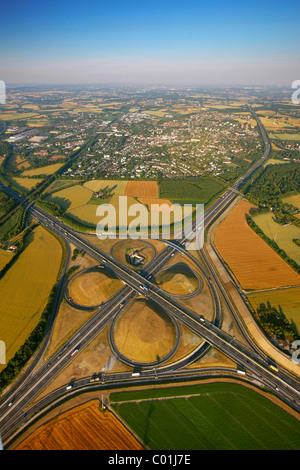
(117,187)
(70,198)
(26,183)
(82,428)
(88,212)
(253,262)
(144,189)
(144,333)
(45,170)
(85,213)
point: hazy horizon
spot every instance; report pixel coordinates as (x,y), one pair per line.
(167,42)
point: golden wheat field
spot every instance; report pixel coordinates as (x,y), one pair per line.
(82,428)
(116,187)
(45,170)
(253,262)
(143,189)
(25,288)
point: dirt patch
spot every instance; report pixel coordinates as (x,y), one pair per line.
(144,332)
(93,287)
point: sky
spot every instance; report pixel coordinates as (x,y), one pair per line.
(166,42)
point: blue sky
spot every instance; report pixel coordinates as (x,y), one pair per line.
(176,42)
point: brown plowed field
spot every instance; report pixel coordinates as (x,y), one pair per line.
(82,428)
(254,263)
(142,189)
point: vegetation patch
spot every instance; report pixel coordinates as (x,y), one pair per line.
(219,416)
(198,190)
(284,301)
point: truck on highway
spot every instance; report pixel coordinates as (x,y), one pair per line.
(135,374)
(241,372)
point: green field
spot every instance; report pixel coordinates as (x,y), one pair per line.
(194,190)
(294,200)
(286,300)
(215,416)
(283,235)
(295,137)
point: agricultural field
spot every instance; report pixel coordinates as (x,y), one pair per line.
(115,186)
(25,288)
(25,183)
(192,190)
(212,416)
(80,201)
(5,257)
(45,170)
(71,198)
(285,136)
(287,300)
(283,235)
(252,261)
(144,189)
(87,212)
(294,200)
(84,427)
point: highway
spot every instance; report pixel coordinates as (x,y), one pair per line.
(12,405)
